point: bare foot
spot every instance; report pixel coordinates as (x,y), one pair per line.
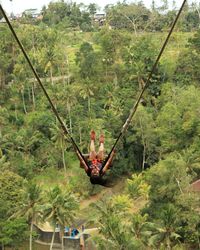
(92,135)
(101,138)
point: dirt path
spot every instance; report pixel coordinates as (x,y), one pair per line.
(117,188)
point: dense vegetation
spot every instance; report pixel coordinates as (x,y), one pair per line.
(93,73)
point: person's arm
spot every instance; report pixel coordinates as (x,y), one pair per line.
(109,162)
(82,162)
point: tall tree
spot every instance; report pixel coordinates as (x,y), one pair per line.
(166,235)
(87,61)
(59,138)
(145,129)
(92,8)
(31,207)
(60,209)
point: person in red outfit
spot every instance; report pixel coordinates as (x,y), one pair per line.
(95,161)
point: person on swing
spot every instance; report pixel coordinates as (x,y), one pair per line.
(93,163)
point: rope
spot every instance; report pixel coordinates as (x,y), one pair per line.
(66,131)
(134,109)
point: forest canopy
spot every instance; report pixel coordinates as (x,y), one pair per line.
(93,70)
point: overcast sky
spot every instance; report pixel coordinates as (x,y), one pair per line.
(18,6)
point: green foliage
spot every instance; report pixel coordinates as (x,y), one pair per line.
(178,121)
(137,187)
(11,192)
(60,207)
(167,180)
(139,59)
(133,17)
(86,58)
(40,121)
(145,134)
(67,15)
(168,233)
(30,209)
(187,69)
(120,228)
(13,232)
(113,231)
(93,79)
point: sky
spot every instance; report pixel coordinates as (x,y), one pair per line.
(18,6)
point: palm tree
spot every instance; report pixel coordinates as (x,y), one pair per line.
(141,228)
(113,233)
(22,92)
(191,158)
(69,98)
(60,209)
(30,207)
(166,232)
(87,90)
(59,138)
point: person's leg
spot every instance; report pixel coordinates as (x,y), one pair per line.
(92,154)
(100,155)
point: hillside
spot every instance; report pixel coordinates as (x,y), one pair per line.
(93,72)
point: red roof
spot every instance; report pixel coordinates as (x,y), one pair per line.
(196,186)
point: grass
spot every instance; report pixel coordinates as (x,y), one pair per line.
(49,178)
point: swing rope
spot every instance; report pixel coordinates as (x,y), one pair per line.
(132,111)
(66,131)
(134,108)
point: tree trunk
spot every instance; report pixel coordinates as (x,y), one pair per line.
(70,118)
(52,240)
(132,22)
(51,76)
(33,95)
(68,79)
(144,146)
(23,100)
(63,157)
(179,186)
(61,233)
(80,137)
(16,117)
(29,94)
(31,236)
(82,242)
(143,157)
(62,242)
(89,106)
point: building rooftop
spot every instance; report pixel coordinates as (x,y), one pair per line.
(195,186)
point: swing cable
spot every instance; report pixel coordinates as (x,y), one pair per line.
(65,130)
(134,108)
